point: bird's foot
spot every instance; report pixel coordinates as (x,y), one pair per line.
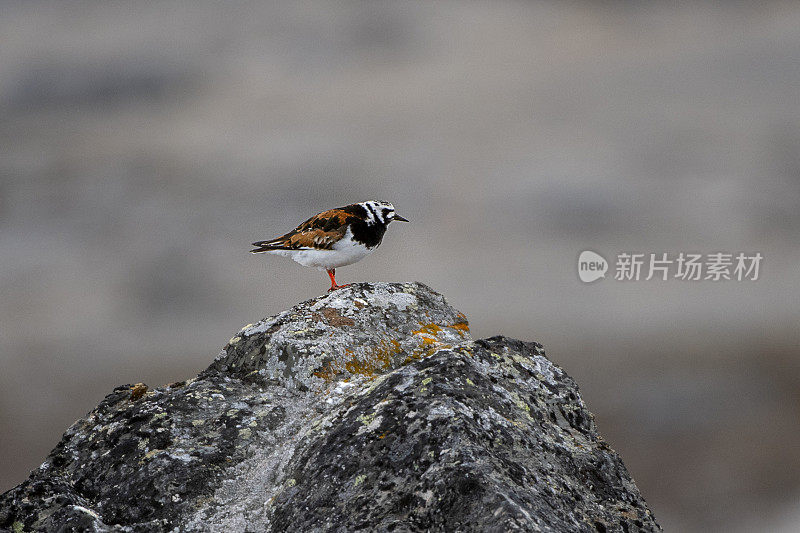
(334,285)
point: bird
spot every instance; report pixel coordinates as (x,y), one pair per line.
(334,238)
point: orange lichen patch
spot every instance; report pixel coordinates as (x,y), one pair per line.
(417,355)
(326,373)
(435,349)
(428,329)
(432,330)
(369,365)
(463,327)
(395,346)
(335,319)
(379,360)
(383,436)
(137,391)
(428,332)
(359,366)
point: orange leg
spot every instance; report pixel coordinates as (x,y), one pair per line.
(334,286)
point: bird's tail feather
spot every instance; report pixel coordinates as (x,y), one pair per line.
(267,246)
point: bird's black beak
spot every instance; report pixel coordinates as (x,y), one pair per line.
(398,217)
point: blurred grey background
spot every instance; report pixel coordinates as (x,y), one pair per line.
(144,145)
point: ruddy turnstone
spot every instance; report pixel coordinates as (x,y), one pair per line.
(334,238)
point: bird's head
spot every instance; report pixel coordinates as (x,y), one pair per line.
(381,212)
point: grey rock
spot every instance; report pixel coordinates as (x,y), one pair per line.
(368,409)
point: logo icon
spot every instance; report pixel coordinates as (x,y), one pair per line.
(591,266)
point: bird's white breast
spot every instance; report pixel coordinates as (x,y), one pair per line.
(344,252)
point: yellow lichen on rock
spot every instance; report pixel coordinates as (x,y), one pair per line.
(367,363)
(463,327)
(137,391)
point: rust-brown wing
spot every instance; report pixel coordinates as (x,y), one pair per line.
(319,232)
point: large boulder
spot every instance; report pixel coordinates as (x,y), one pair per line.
(367,409)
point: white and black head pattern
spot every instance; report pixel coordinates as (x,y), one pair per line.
(374,218)
(378,212)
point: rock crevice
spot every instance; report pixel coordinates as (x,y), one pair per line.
(370,408)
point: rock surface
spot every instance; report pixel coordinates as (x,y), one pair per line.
(368,409)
